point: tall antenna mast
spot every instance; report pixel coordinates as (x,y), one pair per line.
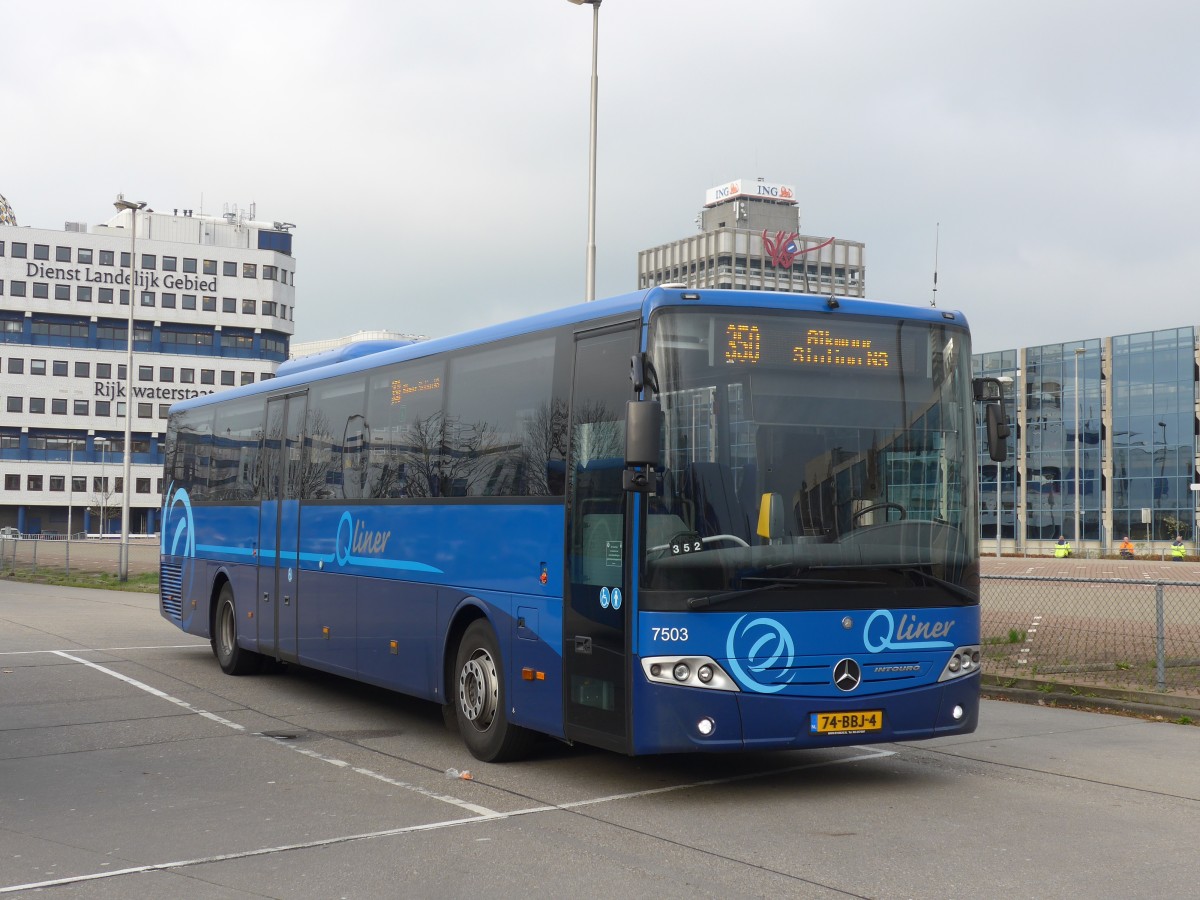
(937,234)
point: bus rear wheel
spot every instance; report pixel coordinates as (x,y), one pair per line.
(234,660)
(480,699)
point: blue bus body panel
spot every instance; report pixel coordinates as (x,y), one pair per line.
(901,654)
(368,577)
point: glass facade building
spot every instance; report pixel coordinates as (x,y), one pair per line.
(1103,443)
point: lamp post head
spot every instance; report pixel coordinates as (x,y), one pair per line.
(122,203)
(585,2)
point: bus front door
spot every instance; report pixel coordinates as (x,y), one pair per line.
(279,528)
(596,614)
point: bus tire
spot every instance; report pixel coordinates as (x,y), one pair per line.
(480,697)
(234,660)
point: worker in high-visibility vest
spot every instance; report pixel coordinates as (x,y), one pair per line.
(1062,549)
(1178,550)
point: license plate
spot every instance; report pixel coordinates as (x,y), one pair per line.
(846,722)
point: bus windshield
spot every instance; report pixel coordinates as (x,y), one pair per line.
(810,460)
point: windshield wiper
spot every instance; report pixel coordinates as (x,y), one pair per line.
(949,586)
(770,585)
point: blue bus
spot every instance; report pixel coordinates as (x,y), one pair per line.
(676,520)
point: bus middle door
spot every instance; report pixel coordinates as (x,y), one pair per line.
(279,528)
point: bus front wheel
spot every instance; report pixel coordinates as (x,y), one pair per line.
(480,698)
(234,660)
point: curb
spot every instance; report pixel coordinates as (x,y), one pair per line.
(1091,699)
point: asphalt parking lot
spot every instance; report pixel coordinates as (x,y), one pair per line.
(131,767)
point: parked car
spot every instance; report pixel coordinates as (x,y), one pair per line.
(9,533)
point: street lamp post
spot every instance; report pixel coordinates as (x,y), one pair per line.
(103,492)
(133,206)
(1160,485)
(70,501)
(1079,351)
(590,286)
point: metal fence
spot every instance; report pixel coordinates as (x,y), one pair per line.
(1112,633)
(73,557)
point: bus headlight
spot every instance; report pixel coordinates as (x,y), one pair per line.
(963,661)
(688,671)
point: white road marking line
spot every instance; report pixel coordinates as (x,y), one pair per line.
(431,826)
(110,649)
(1030,634)
(162,695)
(416,789)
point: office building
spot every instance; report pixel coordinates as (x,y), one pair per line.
(1111,421)
(213,308)
(750,239)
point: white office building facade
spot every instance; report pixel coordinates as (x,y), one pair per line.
(213,308)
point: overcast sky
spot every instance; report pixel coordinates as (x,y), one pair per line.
(433,155)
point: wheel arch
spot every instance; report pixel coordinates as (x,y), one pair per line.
(471,609)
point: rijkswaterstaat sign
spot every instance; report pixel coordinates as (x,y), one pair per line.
(115,390)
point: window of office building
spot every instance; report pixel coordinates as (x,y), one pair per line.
(247,307)
(80,407)
(58,406)
(210,304)
(227,378)
(106,257)
(84,255)
(169,263)
(62,254)
(228,304)
(41,290)
(168,301)
(104,295)
(37,405)
(83,369)
(58,482)
(41,251)
(33,482)
(62,292)
(189,301)
(229,269)
(210,267)
(83,293)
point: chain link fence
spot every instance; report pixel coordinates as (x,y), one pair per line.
(1112,633)
(100,556)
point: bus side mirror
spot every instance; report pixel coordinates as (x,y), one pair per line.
(997,432)
(643,437)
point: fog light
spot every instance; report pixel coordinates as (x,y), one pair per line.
(705,726)
(957,712)
(954,663)
(682,672)
(655,669)
(705,674)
